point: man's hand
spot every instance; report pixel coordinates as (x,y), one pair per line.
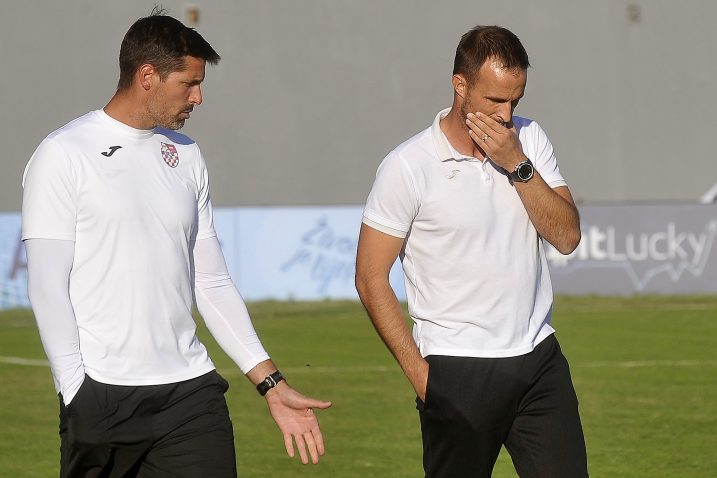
(552,211)
(499,143)
(420,381)
(294,415)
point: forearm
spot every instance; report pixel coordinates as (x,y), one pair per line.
(49,263)
(552,211)
(227,319)
(553,215)
(386,314)
(223,308)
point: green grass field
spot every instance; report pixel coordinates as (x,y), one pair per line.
(645,370)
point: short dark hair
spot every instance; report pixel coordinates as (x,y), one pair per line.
(483,42)
(163,42)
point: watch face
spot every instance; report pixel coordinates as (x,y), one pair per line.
(525,171)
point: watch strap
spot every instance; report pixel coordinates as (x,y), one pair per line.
(269,382)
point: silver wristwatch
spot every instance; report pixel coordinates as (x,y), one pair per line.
(523,171)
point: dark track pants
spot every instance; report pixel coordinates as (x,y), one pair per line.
(179,430)
(475,405)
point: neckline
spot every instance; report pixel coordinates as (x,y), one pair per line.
(126,129)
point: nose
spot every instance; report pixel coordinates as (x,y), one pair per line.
(505,112)
(195,96)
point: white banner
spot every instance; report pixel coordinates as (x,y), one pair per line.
(641,249)
(302,253)
(13,264)
(308,253)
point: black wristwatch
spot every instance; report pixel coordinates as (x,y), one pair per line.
(523,171)
(269,382)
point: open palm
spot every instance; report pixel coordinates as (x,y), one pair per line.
(294,415)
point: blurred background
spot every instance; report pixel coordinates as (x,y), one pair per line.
(311,95)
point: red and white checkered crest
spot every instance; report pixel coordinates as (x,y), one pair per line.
(170,155)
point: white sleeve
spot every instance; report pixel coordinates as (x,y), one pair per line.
(49,262)
(205,221)
(542,155)
(393,201)
(223,308)
(49,201)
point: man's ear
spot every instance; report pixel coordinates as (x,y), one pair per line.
(147,76)
(460,85)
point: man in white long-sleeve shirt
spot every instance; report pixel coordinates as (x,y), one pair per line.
(117,224)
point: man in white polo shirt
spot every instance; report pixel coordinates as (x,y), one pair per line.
(117,223)
(467,204)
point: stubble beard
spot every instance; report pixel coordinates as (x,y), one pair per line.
(465,109)
(174,125)
(164,118)
(169,121)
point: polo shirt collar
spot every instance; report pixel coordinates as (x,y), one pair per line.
(445,150)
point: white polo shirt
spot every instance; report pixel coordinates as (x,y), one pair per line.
(132,201)
(475,269)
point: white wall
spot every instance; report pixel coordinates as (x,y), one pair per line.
(310,95)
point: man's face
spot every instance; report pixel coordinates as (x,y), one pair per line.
(495,91)
(175,96)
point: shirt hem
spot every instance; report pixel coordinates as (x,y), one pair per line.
(140,381)
(201,237)
(47,235)
(385,229)
(428,349)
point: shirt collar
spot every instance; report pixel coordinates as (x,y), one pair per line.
(445,150)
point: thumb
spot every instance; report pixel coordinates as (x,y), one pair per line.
(315,403)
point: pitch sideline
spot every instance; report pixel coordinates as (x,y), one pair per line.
(382,369)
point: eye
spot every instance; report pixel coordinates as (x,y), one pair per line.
(497,101)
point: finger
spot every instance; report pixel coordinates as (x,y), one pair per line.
(473,125)
(301,446)
(311,444)
(308,402)
(477,129)
(289,445)
(319,439)
(482,129)
(481,139)
(491,124)
(315,403)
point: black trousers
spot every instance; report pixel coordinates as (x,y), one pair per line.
(527,403)
(179,430)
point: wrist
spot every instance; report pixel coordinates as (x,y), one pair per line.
(418,372)
(269,382)
(522,172)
